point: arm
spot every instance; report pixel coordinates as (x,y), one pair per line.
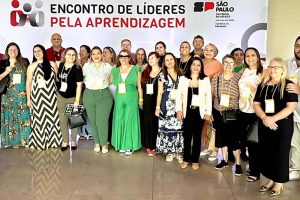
(29,83)
(140,91)
(208,101)
(267,120)
(78,93)
(53,64)
(159,97)
(6,72)
(179,100)
(290,107)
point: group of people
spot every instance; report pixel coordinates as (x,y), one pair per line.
(159,102)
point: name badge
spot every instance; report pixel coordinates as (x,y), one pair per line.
(270,106)
(122,88)
(63,87)
(294,79)
(149,88)
(245,93)
(195,100)
(173,94)
(17,78)
(41,82)
(224,102)
(99,83)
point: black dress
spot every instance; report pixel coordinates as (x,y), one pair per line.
(149,119)
(274,146)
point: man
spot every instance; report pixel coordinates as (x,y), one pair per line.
(126,44)
(55,52)
(198,43)
(1,56)
(293,65)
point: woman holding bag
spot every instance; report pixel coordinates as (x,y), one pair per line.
(69,87)
(193,107)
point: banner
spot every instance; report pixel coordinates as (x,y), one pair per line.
(227,24)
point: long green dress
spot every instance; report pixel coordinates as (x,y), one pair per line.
(15,115)
(126,134)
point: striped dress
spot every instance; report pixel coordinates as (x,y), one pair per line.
(45,129)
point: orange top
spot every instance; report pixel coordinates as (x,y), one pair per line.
(212,67)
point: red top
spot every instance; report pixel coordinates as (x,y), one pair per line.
(1,56)
(54,55)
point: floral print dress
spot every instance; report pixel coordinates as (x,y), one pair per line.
(169,138)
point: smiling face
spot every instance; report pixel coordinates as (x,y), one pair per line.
(107,55)
(70,56)
(251,58)
(126,45)
(297,49)
(198,43)
(275,70)
(56,40)
(160,49)
(38,53)
(209,52)
(13,51)
(96,55)
(239,56)
(185,49)
(124,58)
(140,56)
(228,64)
(196,67)
(169,61)
(83,53)
(153,60)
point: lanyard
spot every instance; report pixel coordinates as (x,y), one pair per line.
(61,74)
(184,65)
(229,84)
(267,91)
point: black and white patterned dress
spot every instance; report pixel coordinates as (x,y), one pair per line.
(169,138)
(45,129)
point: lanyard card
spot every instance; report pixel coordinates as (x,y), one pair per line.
(270,106)
(17,78)
(122,88)
(63,86)
(195,100)
(149,88)
(224,102)
(41,82)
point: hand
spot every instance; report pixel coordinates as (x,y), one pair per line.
(252,88)
(293,88)
(270,122)
(8,69)
(76,103)
(157,111)
(208,118)
(29,104)
(179,116)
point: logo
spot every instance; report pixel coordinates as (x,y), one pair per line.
(20,17)
(203,6)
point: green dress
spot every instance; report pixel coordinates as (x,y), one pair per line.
(126,134)
(15,115)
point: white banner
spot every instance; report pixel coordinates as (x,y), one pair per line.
(227,24)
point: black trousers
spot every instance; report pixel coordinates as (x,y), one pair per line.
(253,150)
(192,128)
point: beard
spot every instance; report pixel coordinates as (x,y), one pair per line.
(297,57)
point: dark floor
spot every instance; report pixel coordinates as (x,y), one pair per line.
(85,175)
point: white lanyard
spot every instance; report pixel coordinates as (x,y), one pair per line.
(62,73)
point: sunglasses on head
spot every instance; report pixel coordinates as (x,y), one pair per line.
(123,56)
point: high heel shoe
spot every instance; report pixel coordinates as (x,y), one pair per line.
(265,187)
(274,193)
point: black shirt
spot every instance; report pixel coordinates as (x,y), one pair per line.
(71,76)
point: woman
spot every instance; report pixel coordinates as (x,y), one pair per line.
(193,107)
(225,95)
(85,54)
(69,86)
(160,48)
(97,99)
(238,54)
(211,67)
(15,116)
(184,62)
(109,56)
(169,139)
(42,98)
(141,59)
(274,105)
(149,85)
(248,83)
(128,97)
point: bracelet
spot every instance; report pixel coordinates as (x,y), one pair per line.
(157,107)
(141,99)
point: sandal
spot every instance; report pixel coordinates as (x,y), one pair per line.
(252,178)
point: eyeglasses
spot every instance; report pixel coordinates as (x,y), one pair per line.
(228,63)
(123,56)
(275,67)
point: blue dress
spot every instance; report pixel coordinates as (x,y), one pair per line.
(15,115)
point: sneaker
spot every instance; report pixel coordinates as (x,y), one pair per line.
(97,148)
(204,152)
(169,157)
(122,151)
(213,156)
(294,175)
(238,170)
(104,148)
(128,152)
(151,153)
(221,165)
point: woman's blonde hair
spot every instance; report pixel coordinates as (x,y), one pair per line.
(282,82)
(63,60)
